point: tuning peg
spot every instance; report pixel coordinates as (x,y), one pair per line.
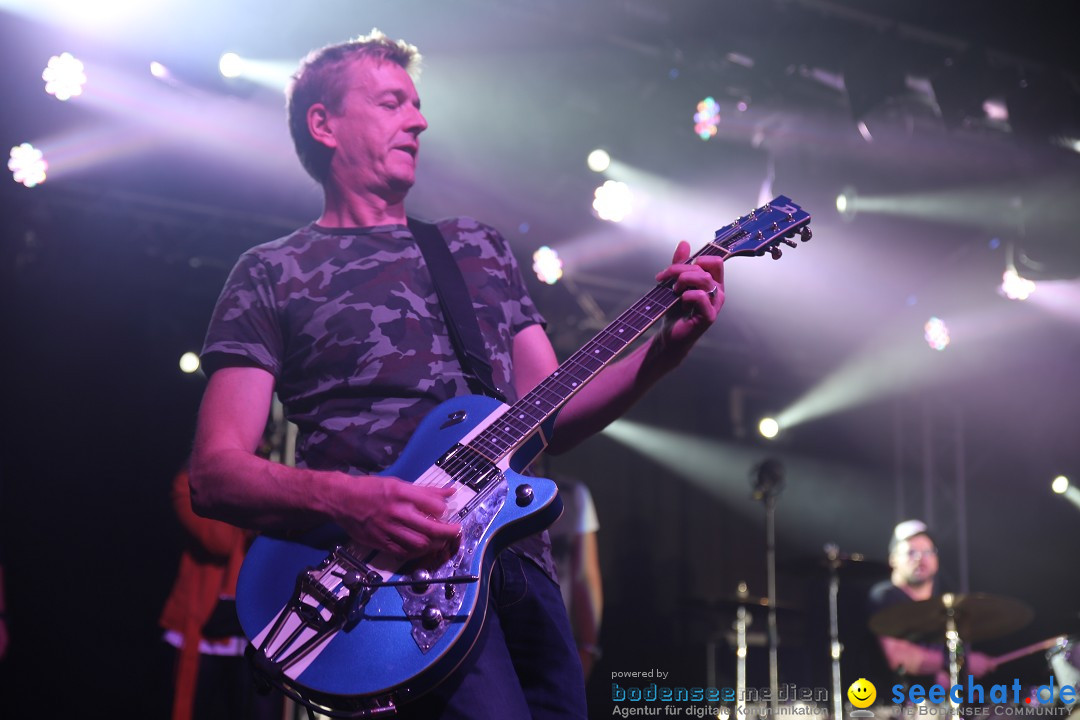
(776,252)
(805,233)
(789,243)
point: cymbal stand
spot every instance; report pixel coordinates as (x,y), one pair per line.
(832,555)
(952,644)
(742,621)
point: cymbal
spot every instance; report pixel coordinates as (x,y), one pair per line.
(979,616)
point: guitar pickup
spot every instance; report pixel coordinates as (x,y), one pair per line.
(468,467)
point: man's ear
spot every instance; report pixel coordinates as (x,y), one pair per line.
(320,126)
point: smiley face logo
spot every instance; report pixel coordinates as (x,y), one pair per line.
(862,693)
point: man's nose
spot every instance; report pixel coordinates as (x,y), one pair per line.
(417,122)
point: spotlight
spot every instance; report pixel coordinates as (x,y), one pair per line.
(64,77)
(158,70)
(1015,287)
(547,265)
(847,203)
(936,333)
(996,110)
(189,362)
(707,118)
(613,201)
(231,65)
(1060,484)
(769,428)
(27,165)
(598,160)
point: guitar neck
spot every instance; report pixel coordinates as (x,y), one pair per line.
(531,411)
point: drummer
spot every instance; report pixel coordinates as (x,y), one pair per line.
(913,559)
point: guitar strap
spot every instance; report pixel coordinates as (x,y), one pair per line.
(457,308)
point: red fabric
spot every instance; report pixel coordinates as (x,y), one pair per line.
(202,578)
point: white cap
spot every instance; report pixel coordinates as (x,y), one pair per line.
(907,530)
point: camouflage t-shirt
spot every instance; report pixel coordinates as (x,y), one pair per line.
(348,322)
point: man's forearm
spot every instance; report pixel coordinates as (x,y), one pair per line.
(248,491)
(911,658)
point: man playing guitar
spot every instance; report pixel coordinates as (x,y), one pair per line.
(341,319)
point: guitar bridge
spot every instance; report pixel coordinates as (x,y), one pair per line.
(327,597)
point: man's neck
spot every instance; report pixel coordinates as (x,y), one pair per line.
(344,209)
(921,591)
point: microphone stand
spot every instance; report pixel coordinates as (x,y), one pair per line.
(768,480)
(832,556)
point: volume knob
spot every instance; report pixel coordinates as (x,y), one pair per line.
(431,617)
(524,495)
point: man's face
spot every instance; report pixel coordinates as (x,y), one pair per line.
(376,132)
(915,560)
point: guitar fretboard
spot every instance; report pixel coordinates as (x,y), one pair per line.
(523,418)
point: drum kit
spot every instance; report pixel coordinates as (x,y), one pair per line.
(955,618)
(975,617)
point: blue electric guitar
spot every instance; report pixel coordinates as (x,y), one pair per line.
(354,632)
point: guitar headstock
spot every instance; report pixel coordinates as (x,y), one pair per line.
(764,229)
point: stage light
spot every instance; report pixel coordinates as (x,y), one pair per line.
(769,427)
(158,70)
(27,165)
(847,203)
(1015,287)
(936,333)
(231,65)
(707,118)
(613,201)
(598,160)
(996,110)
(64,76)
(189,362)
(547,265)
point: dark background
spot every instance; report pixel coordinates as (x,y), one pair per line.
(111,267)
